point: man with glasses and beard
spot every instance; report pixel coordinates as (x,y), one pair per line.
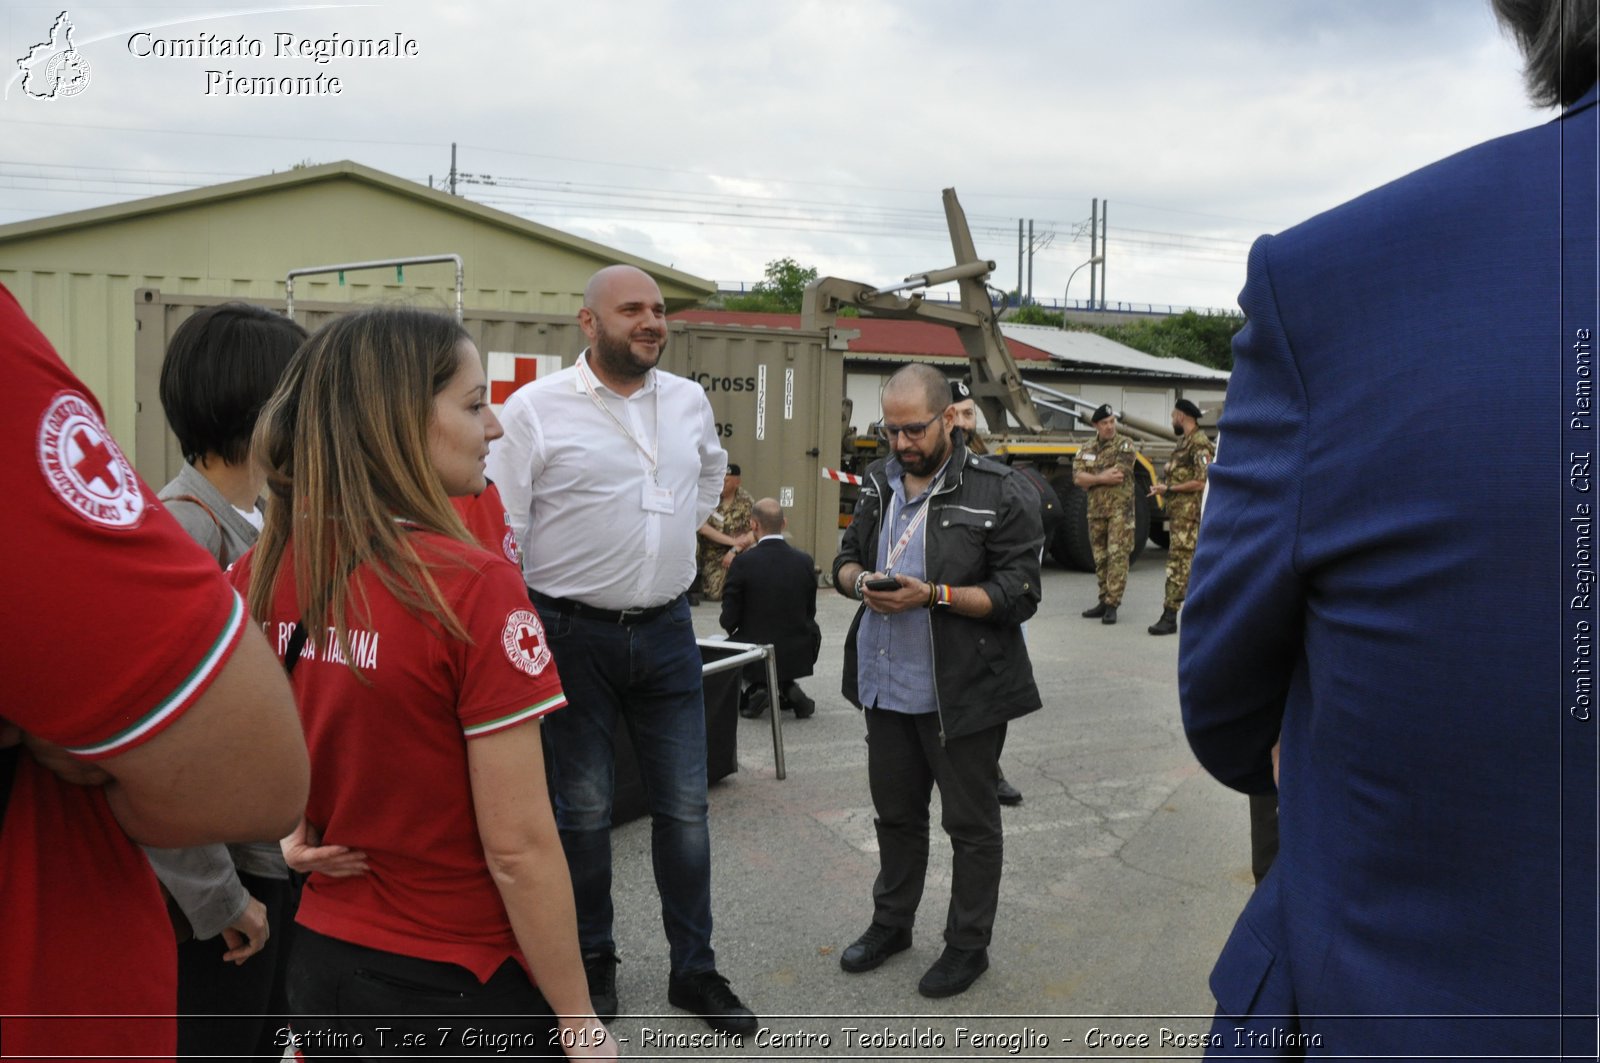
(607,470)
(943,554)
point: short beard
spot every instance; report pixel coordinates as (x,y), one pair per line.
(929,464)
(615,355)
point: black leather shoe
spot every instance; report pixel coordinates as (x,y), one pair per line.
(953,972)
(755,703)
(709,996)
(1008,794)
(876,945)
(798,700)
(1096,613)
(600,968)
(1167,625)
(694,599)
(1109,615)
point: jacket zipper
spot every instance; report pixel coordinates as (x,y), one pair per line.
(933,652)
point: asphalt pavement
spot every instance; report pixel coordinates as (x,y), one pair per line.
(1125,867)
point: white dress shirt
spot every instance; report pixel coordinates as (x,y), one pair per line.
(575,482)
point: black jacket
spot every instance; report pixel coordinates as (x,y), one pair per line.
(770,597)
(983,530)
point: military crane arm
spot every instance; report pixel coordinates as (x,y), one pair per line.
(997,385)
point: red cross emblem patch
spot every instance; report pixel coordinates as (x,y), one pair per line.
(523,639)
(84,466)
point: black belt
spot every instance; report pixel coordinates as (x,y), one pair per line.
(625,617)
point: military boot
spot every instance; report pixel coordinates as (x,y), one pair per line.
(1167,625)
(1097,612)
(1108,614)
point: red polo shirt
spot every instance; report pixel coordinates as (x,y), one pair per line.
(388,745)
(115,623)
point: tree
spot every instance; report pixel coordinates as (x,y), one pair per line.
(1203,338)
(1034,314)
(780,293)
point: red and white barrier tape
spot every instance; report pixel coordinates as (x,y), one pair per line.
(842,477)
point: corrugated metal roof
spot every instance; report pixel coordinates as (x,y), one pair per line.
(879,335)
(347,171)
(1093,350)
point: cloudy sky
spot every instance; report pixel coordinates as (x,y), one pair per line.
(717,136)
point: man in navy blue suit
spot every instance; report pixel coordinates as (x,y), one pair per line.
(1410,612)
(770,598)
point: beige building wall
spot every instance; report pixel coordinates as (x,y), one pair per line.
(76,274)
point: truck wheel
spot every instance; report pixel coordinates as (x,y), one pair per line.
(1141,517)
(1143,511)
(1071,546)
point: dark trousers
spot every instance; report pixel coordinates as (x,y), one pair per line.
(251,995)
(904,761)
(645,677)
(1263,834)
(354,1002)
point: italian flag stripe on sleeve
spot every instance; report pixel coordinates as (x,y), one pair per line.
(180,699)
(531,712)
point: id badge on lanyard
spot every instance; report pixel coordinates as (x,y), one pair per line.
(657,499)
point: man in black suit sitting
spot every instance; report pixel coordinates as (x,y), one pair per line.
(771,598)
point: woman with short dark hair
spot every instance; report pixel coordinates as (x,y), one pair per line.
(221,367)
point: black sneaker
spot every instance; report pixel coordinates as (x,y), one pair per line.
(1009,795)
(708,995)
(868,951)
(798,700)
(755,703)
(953,972)
(600,968)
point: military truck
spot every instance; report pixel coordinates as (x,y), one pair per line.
(1010,405)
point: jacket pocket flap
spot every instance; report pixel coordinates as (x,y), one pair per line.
(1240,973)
(965,517)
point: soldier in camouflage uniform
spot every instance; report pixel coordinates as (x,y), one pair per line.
(1183,482)
(724,534)
(1104,469)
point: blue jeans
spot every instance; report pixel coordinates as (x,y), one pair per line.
(648,675)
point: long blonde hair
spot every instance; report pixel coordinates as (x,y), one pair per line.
(345,443)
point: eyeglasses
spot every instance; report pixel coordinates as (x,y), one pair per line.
(912,432)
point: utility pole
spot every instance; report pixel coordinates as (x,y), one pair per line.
(452,168)
(1030,260)
(1094,248)
(1019,261)
(1104,241)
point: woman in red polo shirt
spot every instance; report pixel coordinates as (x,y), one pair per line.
(421,674)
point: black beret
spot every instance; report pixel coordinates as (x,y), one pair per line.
(1185,406)
(733,470)
(1102,413)
(959,392)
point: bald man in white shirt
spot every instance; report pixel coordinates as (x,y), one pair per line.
(607,469)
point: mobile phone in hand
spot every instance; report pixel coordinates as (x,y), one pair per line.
(883,583)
